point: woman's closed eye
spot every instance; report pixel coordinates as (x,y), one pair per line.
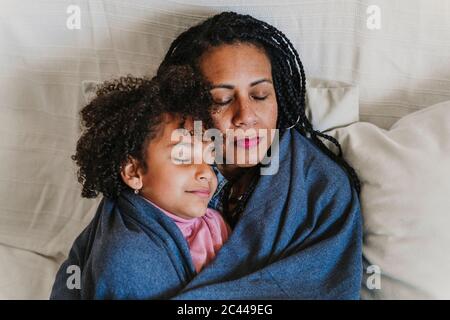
(222,101)
(225,101)
(260,94)
(260,97)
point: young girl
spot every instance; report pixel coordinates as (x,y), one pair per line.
(153,230)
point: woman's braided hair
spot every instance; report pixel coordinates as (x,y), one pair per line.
(287,69)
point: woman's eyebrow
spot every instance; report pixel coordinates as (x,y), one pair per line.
(230,87)
(254,83)
(222,86)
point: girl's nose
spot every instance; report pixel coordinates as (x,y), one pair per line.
(204,172)
(202,154)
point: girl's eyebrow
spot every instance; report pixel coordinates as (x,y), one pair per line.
(231,87)
(181,144)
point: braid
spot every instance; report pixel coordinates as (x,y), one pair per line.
(287,70)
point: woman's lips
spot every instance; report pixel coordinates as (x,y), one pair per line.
(248,143)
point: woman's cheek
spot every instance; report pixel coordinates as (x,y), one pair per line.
(273,114)
(221,120)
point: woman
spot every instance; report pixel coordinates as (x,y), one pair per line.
(297,234)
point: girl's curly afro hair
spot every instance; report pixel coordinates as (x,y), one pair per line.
(125,115)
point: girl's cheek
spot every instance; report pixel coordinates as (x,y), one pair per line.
(179,175)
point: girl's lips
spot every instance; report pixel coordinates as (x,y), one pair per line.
(248,143)
(201,193)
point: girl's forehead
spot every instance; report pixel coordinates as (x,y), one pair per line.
(177,128)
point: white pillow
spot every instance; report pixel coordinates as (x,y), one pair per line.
(331,104)
(405,198)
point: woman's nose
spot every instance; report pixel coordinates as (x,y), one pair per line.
(243,114)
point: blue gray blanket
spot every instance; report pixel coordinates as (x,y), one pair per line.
(300,237)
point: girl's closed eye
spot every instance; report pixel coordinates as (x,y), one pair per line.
(182,154)
(181,161)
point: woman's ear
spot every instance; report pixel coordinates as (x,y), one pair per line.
(131,174)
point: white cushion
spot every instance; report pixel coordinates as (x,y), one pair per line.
(331,104)
(405,199)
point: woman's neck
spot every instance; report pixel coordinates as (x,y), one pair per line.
(240,177)
(232,173)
